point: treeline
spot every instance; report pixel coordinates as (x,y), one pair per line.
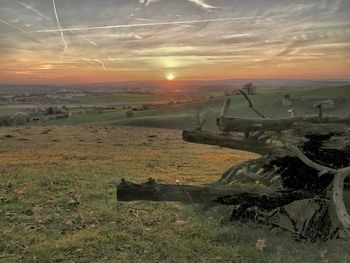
(34,115)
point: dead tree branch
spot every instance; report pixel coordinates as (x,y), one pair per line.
(227,141)
(229,175)
(128,191)
(251,104)
(225,107)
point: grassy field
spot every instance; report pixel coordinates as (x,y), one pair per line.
(180,116)
(100,99)
(57,196)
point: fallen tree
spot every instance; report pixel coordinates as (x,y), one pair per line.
(153,191)
(304,158)
(285,209)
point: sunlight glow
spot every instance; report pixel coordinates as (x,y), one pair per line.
(170,76)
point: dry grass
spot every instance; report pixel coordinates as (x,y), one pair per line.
(57,197)
(136,153)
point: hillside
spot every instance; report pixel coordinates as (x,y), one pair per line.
(180,116)
(58,203)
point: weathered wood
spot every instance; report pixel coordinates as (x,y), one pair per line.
(228,124)
(311,219)
(297,153)
(230,174)
(320,112)
(226,106)
(338,184)
(306,172)
(264,201)
(152,191)
(305,128)
(339,143)
(227,141)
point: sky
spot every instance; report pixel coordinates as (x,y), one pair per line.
(84,41)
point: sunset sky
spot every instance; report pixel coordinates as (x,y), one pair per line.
(77,41)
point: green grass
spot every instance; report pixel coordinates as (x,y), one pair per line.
(57,189)
(100,99)
(180,116)
(325,93)
(58,201)
(7,111)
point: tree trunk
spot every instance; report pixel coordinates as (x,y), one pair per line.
(228,124)
(152,191)
(227,141)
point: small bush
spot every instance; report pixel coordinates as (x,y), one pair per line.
(250,88)
(19,118)
(129,114)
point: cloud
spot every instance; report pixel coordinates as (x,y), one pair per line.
(149,35)
(95,60)
(202,4)
(147,2)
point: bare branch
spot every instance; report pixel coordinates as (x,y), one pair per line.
(322,169)
(225,107)
(338,186)
(251,104)
(200,117)
(320,112)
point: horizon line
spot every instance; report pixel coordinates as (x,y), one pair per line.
(173,81)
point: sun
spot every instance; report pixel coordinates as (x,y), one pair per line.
(170,76)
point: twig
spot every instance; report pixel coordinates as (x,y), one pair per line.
(251,104)
(8,231)
(227,178)
(139,208)
(320,112)
(8,255)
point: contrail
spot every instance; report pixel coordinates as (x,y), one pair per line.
(49,19)
(59,27)
(202,4)
(93,43)
(146,24)
(16,27)
(144,19)
(33,10)
(90,60)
